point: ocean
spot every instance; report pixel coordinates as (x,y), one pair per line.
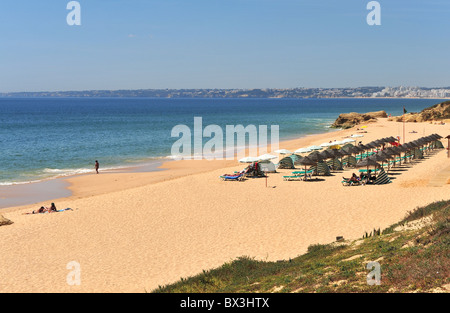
(43,138)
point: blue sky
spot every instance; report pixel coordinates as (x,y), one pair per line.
(134,44)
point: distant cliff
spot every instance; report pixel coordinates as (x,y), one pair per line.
(348,120)
(437,112)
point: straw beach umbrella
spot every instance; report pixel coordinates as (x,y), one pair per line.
(353,150)
(326,154)
(392,139)
(367,162)
(378,143)
(298,159)
(307,161)
(364,147)
(394,151)
(409,148)
(335,163)
(315,156)
(379,158)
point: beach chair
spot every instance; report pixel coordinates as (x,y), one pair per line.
(293,177)
(226,177)
(304,176)
(302,172)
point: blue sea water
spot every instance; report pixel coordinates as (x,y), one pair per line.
(49,137)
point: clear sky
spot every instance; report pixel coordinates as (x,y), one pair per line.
(140,44)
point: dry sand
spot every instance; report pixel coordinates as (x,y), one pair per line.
(131,232)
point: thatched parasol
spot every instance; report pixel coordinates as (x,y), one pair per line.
(367,162)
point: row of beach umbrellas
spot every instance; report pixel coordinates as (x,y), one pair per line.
(392,152)
(381,156)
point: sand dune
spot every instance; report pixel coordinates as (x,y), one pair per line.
(131,232)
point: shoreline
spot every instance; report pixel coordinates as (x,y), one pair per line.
(133,232)
(66,183)
(60,184)
(80,185)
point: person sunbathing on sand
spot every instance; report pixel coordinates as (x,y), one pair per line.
(42,209)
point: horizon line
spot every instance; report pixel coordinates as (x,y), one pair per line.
(243,89)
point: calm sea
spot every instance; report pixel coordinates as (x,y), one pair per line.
(49,137)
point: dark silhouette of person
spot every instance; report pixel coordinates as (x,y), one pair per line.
(52,208)
(96,166)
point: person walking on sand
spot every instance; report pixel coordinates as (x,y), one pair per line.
(96,166)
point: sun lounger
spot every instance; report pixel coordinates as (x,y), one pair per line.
(293,177)
(302,172)
(239,177)
(365,170)
(297,177)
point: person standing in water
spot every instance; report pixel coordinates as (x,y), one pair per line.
(96,166)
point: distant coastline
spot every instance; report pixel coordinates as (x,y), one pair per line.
(269,93)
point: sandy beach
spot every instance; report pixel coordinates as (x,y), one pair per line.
(131,232)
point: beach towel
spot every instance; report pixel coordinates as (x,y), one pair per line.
(68,209)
